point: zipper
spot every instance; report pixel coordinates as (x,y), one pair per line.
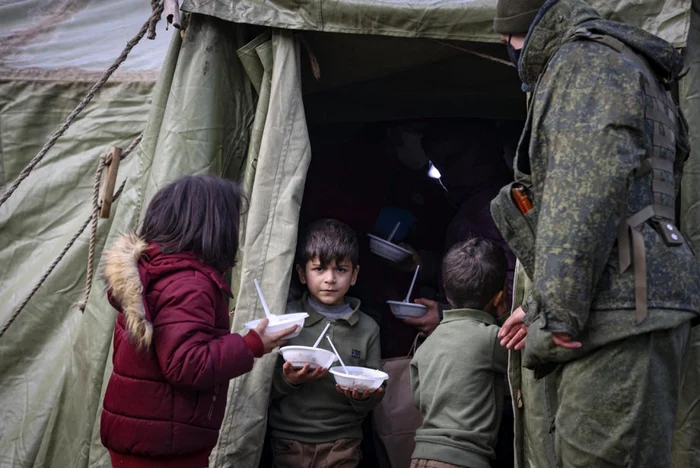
(330,332)
(213,402)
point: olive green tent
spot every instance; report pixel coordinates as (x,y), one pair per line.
(234,96)
(51,53)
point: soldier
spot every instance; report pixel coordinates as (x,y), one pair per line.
(591,217)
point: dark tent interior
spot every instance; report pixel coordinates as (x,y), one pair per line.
(382,112)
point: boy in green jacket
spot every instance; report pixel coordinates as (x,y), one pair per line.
(458,373)
(313,422)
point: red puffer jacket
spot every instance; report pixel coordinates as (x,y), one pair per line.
(173,352)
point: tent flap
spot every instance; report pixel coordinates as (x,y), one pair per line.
(466,20)
(271,232)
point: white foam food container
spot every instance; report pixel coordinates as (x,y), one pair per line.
(299,356)
(407,309)
(280,322)
(388,250)
(361,378)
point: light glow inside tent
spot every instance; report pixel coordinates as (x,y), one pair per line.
(433,172)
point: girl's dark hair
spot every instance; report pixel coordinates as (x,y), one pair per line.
(328,239)
(198,214)
(473,272)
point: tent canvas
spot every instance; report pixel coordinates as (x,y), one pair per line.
(232,99)
(51,53)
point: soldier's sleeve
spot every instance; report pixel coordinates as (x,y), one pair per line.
(591,134)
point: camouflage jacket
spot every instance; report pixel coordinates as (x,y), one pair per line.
(603,148)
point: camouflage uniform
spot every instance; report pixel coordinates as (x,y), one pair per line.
(602,155)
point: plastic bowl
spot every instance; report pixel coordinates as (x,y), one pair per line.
(361,378)
(407,309)
(279,322)
(299,356)
(388,250)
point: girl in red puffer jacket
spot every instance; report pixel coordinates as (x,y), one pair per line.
(173,351)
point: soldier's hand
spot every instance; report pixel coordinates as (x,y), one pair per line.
(565,341)
(514,331)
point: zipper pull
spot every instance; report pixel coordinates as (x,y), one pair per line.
(213,403)
(211,409)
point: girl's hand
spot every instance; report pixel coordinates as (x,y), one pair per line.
(359,395)
(303,375)
(272,340)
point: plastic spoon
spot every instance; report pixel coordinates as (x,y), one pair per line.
(410,290)
(396,228)
(262,299)
(320,337)
(337,355)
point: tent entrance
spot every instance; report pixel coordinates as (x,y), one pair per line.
(359,174)
(369,113)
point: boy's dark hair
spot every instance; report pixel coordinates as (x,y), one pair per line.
(328,239)
(473,272)
(199,214)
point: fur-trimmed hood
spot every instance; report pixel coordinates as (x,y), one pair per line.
(124,286)
(131,265)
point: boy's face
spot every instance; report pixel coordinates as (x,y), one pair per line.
(498,304)
(330,283)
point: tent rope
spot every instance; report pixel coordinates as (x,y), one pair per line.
(93,228)
(478,54)
(157,6)
(104,160)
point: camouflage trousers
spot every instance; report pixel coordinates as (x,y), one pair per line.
(617,406)
(686,440)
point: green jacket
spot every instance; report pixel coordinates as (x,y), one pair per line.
(603,145)
(458,386)
(534,400)
(315,412)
